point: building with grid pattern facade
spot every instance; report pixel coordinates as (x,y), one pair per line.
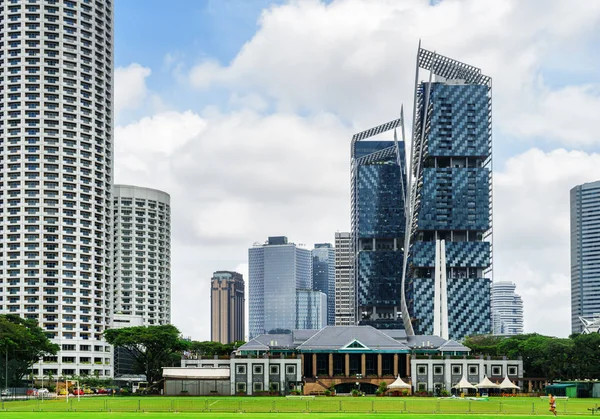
(142,254)
(344,280)
(56,147)
(227,307)
(323,256)
(451,197)
(585,254)
(507,309)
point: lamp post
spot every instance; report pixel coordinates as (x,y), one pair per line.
(358,377)
(42,374)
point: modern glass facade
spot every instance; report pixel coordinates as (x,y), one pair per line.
(276,270)
(585,253)
(323,269)
(451,165)
(311,309)
(378,225)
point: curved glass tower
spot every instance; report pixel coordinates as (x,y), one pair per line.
(56,106)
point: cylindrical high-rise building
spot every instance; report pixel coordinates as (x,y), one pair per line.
(56,147)
(56,123)
(142,254)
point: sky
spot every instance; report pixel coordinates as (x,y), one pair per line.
(243,111)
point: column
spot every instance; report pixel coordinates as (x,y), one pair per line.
(363,364)
(379,366)
(395,365)
(331,365)
(407,359)
(314,365)
(347,366)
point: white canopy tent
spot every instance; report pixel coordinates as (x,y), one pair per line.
(463,383)
(486,383)
(399,385)
(508,385)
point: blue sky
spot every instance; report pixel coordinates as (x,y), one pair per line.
(247,122)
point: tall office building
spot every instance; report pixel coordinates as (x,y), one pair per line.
(451,198)
(277,271)
(56,130)
(142,254)
(344,280)
(585,254)
(378,225)
(323,256)
(507,309)
(227,307)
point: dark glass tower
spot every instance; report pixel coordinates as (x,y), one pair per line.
(323,256)
(378,225)
(451,199)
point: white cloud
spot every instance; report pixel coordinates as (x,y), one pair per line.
(532,231)
(130,87)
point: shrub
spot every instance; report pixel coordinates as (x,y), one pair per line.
(355,392)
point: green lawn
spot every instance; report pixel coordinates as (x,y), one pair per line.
(280,407)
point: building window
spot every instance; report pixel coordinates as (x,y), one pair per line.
(240,369)
(274,386)
(473,370)
(422,386)
(438,370)
(257,369)
(512,370)
(239,387)
(274,369)
(421,369)
(290,369)
(257,386)
(456,369)
(496,370)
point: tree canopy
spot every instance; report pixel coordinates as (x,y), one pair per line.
(576,357)
(208,348)
(22,343)
(152,347)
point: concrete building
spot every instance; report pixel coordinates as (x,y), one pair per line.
(56,126)
(451,198)
(507,309)
(142,253)
(323,256)
(585,253)
(277,271)
(344,280)
(123,360)
(227,307)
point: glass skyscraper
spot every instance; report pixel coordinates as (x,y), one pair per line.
(277,270)
(451,196)
(378,225)
(323,269)
(585,253)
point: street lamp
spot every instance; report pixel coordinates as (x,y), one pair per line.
(42,374)
(358,377)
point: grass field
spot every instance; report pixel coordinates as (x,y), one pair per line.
(280,407)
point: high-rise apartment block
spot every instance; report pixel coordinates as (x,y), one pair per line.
(451,199)
(56,129)
(585,254)
(344,280)
(277,271)
(227,307)
(507,309)
(323,256)
(142,254)
(378,226)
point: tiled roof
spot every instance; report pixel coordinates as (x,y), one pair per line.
(339,337)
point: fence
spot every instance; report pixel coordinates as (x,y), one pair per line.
(318,405)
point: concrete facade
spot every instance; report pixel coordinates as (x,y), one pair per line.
(227,312)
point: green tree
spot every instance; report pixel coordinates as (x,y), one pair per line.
(151,347)
(22,343)
(483,344)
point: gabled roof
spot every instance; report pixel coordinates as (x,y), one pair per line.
(453,346)
(425,342)
(399,383)
(486,383)
(463,383)
(333,338)
(276,341)
(398,334)
(506,384)
(300,336)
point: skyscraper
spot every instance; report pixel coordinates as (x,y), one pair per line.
(323,256)
(227,307)
(56,126)
(344,280)
(585,253)
(451,195)
(142,254)
(378,225)
(507,309)
(277,270)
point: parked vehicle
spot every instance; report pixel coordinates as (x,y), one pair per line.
(78,392)
(5,393)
